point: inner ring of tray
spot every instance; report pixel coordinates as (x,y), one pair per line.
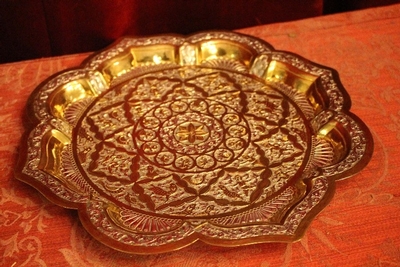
(181,146)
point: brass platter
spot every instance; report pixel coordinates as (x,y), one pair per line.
(162,141)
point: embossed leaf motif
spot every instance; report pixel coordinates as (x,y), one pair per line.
(158,152)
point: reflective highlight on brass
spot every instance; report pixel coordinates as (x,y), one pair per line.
(162,141)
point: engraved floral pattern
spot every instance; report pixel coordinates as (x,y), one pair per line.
(189,150)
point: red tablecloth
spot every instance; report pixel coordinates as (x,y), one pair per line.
(360,227)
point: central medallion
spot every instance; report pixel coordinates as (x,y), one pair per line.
(191,135)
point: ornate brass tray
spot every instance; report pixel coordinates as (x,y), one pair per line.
(162,141)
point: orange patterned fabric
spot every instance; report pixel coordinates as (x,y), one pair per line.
(360,227)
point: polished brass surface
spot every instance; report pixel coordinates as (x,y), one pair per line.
(162,141)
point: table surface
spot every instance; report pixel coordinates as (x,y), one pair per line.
(361,225)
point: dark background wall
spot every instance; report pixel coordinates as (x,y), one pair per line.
(40,28)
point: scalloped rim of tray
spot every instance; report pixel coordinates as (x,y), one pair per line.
(162,141)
